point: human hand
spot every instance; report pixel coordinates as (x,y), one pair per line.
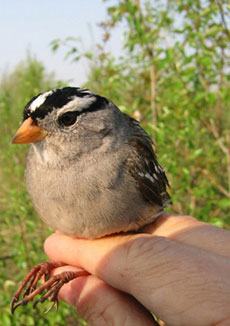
(178,268)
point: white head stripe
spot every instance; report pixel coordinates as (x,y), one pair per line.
(77,102)
(40,100)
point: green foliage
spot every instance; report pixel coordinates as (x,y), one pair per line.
(175,78)
(73,51)
(22,232)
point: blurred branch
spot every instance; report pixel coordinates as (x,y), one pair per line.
(153,93)
(152,72)
(7,257)
(213,180)
(25,241)
(213,129)
(219,4)
(219,94)
(224,148)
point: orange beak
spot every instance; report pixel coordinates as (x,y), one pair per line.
(29,132)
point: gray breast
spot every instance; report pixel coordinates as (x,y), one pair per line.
(90,199)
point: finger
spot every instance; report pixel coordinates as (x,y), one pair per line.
(190,231)
(100,304)
(154,270)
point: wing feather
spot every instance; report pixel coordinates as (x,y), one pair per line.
(145,169)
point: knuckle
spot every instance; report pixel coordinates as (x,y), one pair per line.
(144,247)
(141,256)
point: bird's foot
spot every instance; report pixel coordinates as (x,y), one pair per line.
(52,285)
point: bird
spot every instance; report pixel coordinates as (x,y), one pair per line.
(91,171)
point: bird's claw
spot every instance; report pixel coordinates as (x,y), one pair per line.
(52,285)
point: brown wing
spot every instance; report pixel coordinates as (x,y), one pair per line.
(145,169)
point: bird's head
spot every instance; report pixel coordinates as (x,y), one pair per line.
(69,121)
(58,112)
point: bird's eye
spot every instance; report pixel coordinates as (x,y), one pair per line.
(68,119)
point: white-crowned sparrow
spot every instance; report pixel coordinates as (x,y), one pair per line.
(91,169)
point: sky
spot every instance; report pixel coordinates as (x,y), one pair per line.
(29,26)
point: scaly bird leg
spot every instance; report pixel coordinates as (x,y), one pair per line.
(52,284)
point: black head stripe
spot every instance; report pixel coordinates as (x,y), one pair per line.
(59,98)
(98,104)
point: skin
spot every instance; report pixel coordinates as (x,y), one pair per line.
(178,268)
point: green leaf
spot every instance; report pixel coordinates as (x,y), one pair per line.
(88,55)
